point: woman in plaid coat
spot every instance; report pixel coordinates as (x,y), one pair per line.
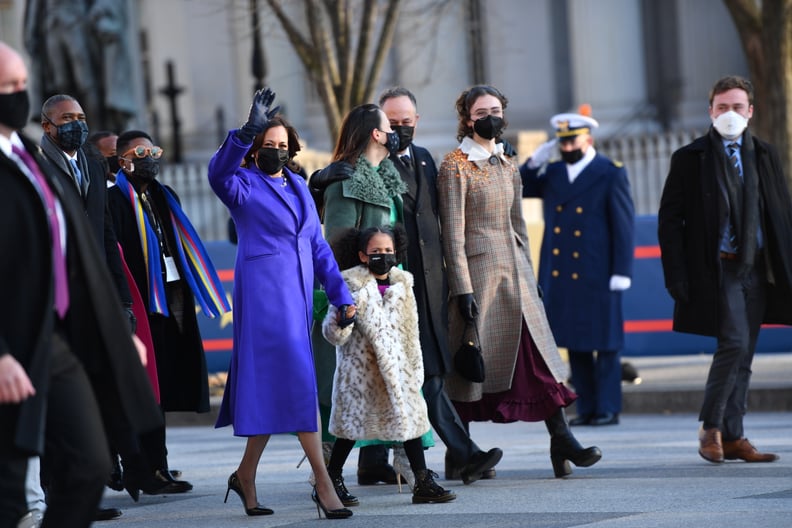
(492,285)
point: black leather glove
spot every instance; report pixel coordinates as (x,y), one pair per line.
(679,292)
(130,317)
(468,307)
(508,148)
(343,320)
(260,114)
(320,179)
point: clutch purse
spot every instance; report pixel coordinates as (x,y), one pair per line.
(468,361)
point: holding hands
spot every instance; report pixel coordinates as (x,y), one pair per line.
(260,113)
(347,313)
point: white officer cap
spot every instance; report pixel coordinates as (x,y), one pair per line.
(570,125)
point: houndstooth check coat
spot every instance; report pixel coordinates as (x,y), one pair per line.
(487,254)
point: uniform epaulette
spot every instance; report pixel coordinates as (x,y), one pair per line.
(617,164)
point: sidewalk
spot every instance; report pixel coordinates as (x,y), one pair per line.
(650,476)
(669,384)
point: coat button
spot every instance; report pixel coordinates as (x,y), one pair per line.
(555,273)
(556,230)
(556,251)
(574,276)
(579,210)
(575,254)
(559,208)
(577,232)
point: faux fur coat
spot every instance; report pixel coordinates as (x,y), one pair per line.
(379,365)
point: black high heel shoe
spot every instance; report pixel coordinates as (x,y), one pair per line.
(234,484)
(341,513)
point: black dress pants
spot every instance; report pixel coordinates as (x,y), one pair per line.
(75,451)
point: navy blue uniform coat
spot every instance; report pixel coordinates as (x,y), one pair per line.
(588,238)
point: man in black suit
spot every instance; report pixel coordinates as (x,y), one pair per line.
(55,285)
(725,231)
(464,459)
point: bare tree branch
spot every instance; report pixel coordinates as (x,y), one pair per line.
(383,46)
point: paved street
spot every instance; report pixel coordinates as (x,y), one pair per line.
(650,476)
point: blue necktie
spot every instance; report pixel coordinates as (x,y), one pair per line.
(734,148)
(77,173)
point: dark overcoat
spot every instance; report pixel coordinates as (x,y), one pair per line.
(27,316)
(181,364)
(425,259)
(588,237)
(93,195)
(689,234)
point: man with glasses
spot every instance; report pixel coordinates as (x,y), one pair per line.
(173,273)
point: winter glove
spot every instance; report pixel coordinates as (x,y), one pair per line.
(620,283)
(679,292)
(347,313)
(468,307)
(542,154)
(260,114)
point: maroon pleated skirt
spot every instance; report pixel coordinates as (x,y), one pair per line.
(534,395)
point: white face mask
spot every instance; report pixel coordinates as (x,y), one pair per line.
(730,124)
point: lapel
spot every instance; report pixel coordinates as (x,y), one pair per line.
(409,176)
(423,179)
(564,190)
(58,159)
(280,191)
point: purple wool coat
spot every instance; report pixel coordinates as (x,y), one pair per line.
(271,386)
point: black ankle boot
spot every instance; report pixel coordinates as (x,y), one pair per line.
(565,448)
(346,498)
(428,491)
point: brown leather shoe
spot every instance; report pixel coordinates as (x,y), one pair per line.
(710,445)
(742,449)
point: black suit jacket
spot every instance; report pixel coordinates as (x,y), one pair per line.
(93,195)
(425,259)
(95,324)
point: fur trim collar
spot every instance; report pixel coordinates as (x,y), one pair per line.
(375,185)
(357,277)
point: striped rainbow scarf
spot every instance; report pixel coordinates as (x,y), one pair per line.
(197,268)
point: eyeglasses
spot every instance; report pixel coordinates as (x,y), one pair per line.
(141,152)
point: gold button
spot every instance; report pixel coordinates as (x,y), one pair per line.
(556,230)
(556,251)
(577,232)
(574,276)
(575,254)
(555,273)
(579,210)
(559,208)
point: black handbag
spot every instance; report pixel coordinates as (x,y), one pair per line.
(468,360)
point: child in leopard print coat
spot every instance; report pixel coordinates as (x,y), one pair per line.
(379,365)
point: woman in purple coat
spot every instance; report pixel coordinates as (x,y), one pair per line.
(271,385)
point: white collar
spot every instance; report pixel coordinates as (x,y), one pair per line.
(574,169)
(7,143)
(475,152)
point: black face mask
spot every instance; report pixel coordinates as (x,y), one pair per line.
(572,156)
(145,169)
(392,143)
(405,134)
(14,109)
(488,127)
(381,263)
(271,160)
(71,135)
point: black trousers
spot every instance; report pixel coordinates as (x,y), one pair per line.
(75,450)
(741,308)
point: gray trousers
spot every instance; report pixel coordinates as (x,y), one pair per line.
(741,308)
